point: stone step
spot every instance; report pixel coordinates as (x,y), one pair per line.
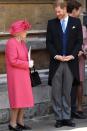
(41,92)
(42,73)
(37,39)
(36,43)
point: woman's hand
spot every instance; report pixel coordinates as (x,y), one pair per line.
(31,63)
(80,53)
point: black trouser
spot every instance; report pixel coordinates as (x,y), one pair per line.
(74,98)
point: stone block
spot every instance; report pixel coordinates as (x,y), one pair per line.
(37,13)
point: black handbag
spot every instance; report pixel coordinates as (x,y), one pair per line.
(35,78)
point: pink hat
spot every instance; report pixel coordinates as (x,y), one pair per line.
(19,26)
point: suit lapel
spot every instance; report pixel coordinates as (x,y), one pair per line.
(58,30)
(58,27)
(68,30)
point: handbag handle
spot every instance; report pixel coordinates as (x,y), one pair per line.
(33,69)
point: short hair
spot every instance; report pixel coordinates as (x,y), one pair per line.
(73,4)
(61,3)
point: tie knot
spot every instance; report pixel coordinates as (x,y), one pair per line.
(63,20)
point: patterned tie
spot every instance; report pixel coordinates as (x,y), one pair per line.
(63,24)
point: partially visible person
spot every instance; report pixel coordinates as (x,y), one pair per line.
(18,76)
(82,57)
(63,41)
(74,9)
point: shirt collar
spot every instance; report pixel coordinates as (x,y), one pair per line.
(66,19)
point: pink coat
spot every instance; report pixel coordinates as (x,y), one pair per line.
(18,78)
(82,58)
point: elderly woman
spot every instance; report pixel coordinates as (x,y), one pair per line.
(18,77)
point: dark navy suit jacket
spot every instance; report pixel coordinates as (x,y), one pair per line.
(54,44)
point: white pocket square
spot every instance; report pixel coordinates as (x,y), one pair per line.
(73,27)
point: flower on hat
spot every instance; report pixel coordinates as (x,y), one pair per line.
(19,26)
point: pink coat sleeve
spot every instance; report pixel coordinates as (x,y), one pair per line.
(11,54)
(84,32)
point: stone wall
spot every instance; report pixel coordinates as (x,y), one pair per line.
(2,63)
(34,11)
(83,2)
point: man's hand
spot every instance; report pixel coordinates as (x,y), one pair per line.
(68,58)
(59,57)
(80,53)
